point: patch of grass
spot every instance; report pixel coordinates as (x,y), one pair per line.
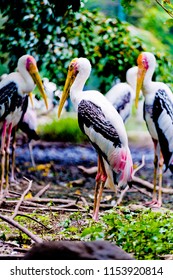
(62,130)
(146,234)
(67,129)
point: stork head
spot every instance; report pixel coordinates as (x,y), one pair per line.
(131,76)
(77,65)
(146,62)
(28,62)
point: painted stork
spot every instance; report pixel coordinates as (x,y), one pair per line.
(122,95)
(13,91)
(29,120)
(104,127)
(158,114)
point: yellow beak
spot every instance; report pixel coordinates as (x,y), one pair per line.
(68,83)
(31,99)
(37,79)
(140,79)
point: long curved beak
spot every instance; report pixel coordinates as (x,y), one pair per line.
(37,79)
(140,79)
(66,91)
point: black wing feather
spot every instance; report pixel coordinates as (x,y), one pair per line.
(91,115)
(9,98)
(163,106)
(123,104)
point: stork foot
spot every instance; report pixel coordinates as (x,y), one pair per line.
(13,181)
(4,194)
(154,203)
(95,217)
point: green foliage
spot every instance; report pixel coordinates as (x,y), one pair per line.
(153,19)
(146,234)
(166,6)
(55,41)
(59,7)
(65,129)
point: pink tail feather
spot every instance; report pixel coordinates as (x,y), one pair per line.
(121,163)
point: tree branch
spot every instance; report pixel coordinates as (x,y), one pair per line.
(42,191)
(149,185)
(166,10)
(25,230)
(21,199)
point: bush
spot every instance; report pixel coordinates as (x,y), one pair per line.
(63,130)
(54,41)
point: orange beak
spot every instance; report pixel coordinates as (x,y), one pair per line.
(140,79)
(71,75)
(37,79)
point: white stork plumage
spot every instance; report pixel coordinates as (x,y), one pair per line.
(13,91)
(158,114)
(104,127)
(122,95)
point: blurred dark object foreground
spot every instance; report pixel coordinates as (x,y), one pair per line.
(76,250)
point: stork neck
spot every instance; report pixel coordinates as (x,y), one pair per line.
(148,77)
(28,84)
(78,85)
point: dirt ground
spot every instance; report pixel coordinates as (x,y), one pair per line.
(58,167)
(58,164)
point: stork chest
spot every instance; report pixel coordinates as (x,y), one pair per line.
(148,117)
(11,103)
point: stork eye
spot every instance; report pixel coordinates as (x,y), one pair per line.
(71,66)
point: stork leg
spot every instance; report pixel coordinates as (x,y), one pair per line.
(154,199)
(161,161)
(155,203)
(100,182)
(31,153)
(3,157)
(12,179)
(8,158)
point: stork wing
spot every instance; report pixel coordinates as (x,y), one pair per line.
(94,124)
(9,99)
(163,119)
(123,105)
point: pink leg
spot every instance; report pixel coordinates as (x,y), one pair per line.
(154,200)
(8,157)
(3,157)
(12,179)
(158,203)
(100,182)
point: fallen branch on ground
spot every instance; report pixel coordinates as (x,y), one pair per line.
(122,195)
(127,187)
(22,199)
(142,191)
(139,167)
(148,185)
(23,214)
(25,230)
(43,190)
